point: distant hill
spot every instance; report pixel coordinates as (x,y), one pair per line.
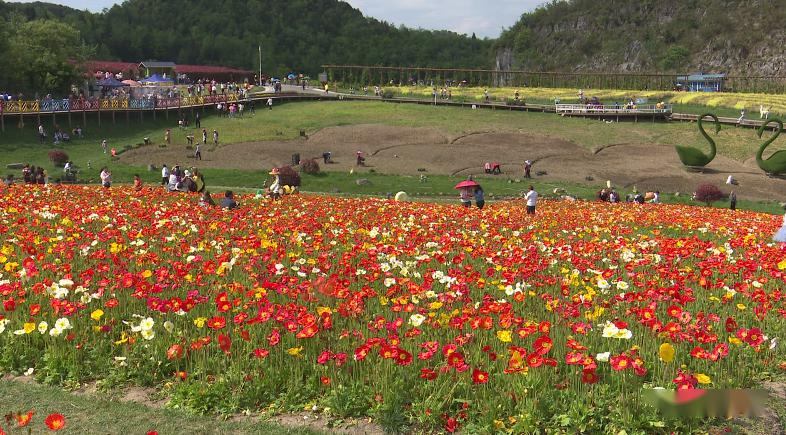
(297,35)
(738,37)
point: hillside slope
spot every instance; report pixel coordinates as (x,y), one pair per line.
(732,36)
(297,35)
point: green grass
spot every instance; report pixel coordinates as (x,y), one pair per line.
(99,414)
(287,119)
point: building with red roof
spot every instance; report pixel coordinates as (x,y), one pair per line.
(136,69)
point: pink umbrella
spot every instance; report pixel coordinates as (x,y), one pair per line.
(466,183)
(132,83)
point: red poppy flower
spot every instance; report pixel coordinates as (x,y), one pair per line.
(403,358)
(308,332)
(479,376)
(428,374)
(224,343)
(455,359)
(261,353)
(175,351)
(55,422)
(589,377)
(543,344)
(217,322)
(324,357)
(619,362)
(451,425)
(534,360)
(23,420)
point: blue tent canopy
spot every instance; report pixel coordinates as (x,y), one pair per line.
(111,82)
(155,78)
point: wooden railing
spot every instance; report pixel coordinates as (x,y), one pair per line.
(54,106)
(613,109)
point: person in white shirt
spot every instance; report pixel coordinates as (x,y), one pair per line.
(656,197)
(164,175)
(532,200)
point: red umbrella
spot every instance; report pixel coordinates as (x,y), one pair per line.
(466,183)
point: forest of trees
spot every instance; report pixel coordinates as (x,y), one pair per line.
(296,35)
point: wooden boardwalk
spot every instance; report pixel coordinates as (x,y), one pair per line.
(115,107)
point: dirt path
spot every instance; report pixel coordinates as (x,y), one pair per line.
(405,150)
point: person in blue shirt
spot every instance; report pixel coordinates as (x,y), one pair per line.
(480,200)
(228,202)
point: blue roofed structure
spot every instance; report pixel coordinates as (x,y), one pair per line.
(701,82)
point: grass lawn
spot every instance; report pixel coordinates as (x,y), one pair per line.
(20,145)
(97,414)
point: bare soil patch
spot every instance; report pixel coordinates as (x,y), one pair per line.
(321,423)
(411,151)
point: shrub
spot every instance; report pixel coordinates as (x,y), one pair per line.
(288,176)
(387,95)
(309,166)
(708,193)
(58,157)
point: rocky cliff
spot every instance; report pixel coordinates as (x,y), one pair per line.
(743,37)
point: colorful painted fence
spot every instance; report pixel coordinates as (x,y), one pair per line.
(65,105)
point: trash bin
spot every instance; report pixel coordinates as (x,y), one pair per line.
(296,159)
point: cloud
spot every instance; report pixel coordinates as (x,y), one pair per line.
(482,17)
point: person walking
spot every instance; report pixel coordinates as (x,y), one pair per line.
(168,136)
(198,152)
(532,200)
(527,169)
(198,121)
(42,133)
(103,145)
(270,103)
(215,137)
(164,175)
(733,201)
(480,199)
(204,136)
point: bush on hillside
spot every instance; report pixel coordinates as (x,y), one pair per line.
(58,157)
(309,166)
(708,193)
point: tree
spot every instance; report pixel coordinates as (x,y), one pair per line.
(46,56)
(675,57)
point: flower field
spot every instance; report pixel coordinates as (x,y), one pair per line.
(415,314)
(729,100)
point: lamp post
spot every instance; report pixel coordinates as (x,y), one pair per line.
(260,65)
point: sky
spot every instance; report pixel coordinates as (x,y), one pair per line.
(485,18)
